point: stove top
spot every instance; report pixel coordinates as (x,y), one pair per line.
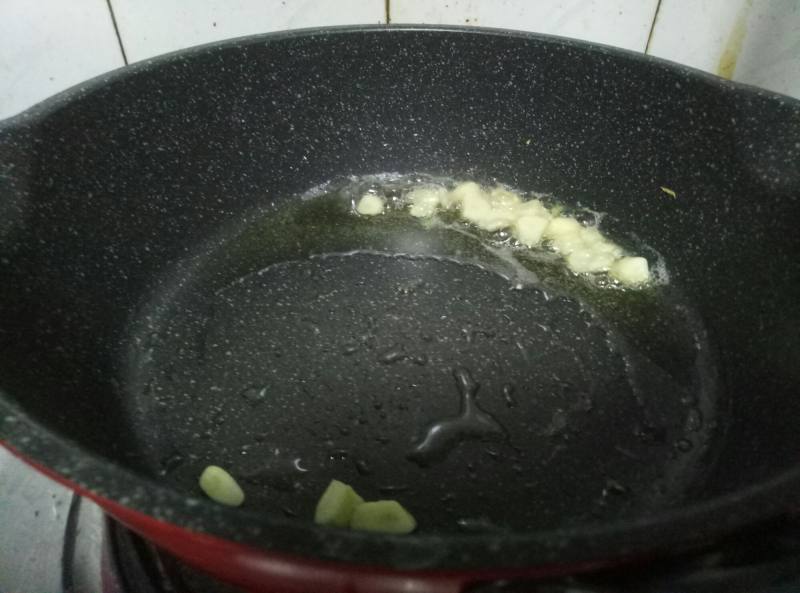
(54,541)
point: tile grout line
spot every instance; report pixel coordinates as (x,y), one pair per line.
(652,27)
(116,31)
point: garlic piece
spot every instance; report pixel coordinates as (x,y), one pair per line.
(370,205)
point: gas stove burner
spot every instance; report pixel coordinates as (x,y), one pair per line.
(133,564)
(54,541)
(143,569)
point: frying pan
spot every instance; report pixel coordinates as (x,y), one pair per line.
(173,295)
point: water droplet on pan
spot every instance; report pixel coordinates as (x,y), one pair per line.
(612,486)
(171,462)
(420,359)
(476,525)
(392,489)
(391,356)
(508,395)
(350,348)
(363,468)
(255,395)
(694,420)
(339,454)
(472,423)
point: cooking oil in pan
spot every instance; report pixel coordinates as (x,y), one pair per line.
(479,383)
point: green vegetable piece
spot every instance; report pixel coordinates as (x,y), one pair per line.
(220,486)
(336,505)
(383,516)
(669,192)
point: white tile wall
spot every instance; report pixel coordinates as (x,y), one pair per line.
(48,45)
(624,23)
(152,27)
(752,41)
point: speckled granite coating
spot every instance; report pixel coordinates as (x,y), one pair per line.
(109,184)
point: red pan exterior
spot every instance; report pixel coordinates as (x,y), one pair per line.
(260,571)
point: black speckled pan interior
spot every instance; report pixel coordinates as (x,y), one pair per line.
(164,302)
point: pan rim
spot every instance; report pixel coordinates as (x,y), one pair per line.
(45,107)
(667,531)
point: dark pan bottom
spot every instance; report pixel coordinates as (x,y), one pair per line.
(478,402)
